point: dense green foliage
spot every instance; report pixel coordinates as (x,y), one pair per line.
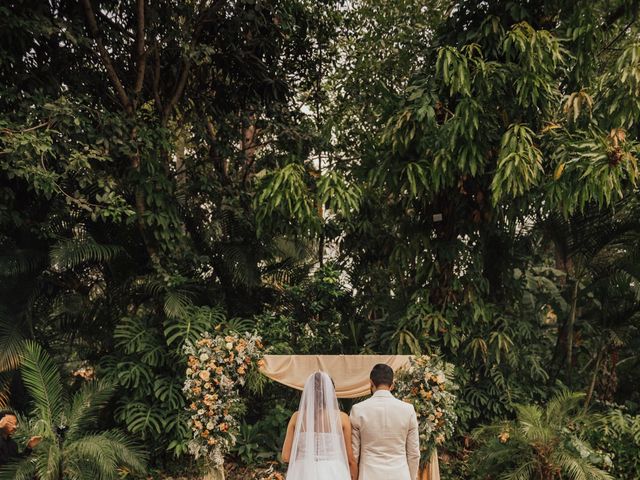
(541,443)
(70,447)
(344,177)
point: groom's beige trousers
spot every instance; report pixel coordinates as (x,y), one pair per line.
(385,438)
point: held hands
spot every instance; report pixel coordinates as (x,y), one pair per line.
(34,442)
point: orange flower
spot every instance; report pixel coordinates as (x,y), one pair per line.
(223,427)
(205,433)
(205,375)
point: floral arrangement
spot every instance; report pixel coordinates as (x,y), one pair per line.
(427,384)
(217,368)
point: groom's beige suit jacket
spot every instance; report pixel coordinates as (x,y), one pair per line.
(385,438)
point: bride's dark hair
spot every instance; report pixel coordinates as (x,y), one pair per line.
(320,399)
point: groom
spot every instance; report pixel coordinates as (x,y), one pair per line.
(385,432)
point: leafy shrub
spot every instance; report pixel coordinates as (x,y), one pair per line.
(542,443)
(618,433)
(70,446)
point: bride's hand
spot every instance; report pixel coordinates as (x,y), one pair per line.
(354,473)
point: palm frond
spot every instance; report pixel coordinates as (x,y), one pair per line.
(522,472)
(69,253)
(108,452)
(576,468)
(86,404)
(191,326)
(5,389)
(24,469)
(94,451)
(177,303)
(561,405)
(18,262)
(42,379)
(47,460)
(11,344)
(237,261)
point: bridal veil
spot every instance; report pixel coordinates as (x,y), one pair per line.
(318,451)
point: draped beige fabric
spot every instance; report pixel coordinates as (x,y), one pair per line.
(350,374)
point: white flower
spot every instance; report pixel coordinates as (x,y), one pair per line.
(204,357)
(229,345)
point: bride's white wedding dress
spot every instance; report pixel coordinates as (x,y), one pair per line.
(318,451)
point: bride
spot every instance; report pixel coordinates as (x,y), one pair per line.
(318,441)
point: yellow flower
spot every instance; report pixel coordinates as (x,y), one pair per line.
(503,437)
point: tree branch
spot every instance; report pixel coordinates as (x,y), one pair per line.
(141,55)
(186,63)
(156,77)
(104,55)
(617,37)
(177,92)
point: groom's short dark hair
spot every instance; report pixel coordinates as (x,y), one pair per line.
(382,374)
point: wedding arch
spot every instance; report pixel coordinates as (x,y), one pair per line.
(221,366)
(350,374)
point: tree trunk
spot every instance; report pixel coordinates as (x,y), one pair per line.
(570,331)
(592,385)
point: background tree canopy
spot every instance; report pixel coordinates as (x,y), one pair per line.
(451,177)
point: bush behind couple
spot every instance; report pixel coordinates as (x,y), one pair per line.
(378,441)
